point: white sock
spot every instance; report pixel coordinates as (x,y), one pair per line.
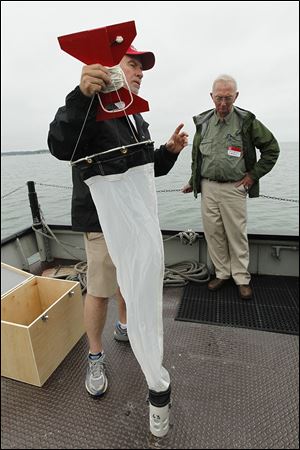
(123,325)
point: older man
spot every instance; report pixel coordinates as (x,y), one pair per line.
(225,170)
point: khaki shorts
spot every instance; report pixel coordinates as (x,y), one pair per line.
(101,272)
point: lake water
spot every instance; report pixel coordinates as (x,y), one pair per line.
(177,211)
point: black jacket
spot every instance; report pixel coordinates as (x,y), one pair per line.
(96,137)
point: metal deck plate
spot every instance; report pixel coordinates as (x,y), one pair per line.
(274,306)
(231,388)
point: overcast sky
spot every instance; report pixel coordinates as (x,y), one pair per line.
(194,42)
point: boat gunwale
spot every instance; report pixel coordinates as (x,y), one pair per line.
(251,236)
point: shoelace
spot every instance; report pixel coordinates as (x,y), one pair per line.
(97,367)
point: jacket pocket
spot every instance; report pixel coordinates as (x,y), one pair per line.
(206,147)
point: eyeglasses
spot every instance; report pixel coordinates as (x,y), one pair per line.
(219,99)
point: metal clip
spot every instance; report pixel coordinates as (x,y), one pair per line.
(71,293)
(45,317)
(123,150)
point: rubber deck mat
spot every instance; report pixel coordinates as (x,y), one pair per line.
(273,307)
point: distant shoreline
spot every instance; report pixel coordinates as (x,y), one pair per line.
(37,152)
(24,152)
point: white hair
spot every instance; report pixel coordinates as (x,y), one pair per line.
(225,79)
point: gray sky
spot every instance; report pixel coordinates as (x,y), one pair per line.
(194,42)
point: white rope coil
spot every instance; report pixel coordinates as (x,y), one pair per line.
(118,80)
(181,273)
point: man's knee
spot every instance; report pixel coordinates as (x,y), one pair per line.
(96,299)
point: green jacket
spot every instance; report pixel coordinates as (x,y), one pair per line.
(254,135)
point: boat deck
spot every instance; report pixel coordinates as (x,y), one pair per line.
(231,388)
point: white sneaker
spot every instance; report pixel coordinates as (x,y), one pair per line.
(96,380)
(120,334)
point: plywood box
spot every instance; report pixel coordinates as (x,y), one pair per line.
(41,321)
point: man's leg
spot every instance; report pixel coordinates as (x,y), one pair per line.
(121,307)
(234,214)
(214,229)
(95,311)
(120,333)
(101,284)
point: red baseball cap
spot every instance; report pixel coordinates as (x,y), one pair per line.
(147,58)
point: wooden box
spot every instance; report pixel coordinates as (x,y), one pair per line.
(41,321)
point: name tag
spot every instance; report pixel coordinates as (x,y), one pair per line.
(234,151)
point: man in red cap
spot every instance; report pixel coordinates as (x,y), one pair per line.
(98,137)
(147,58)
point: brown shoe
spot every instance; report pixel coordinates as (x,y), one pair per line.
(245,291)
(216,284)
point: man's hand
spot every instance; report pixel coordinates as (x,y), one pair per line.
(186,189)
(247,181)
(94,78)
(178,140)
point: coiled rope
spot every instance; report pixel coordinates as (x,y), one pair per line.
(81,270)
(118,80)
(181,273)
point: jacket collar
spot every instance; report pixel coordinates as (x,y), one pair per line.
(245,115)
